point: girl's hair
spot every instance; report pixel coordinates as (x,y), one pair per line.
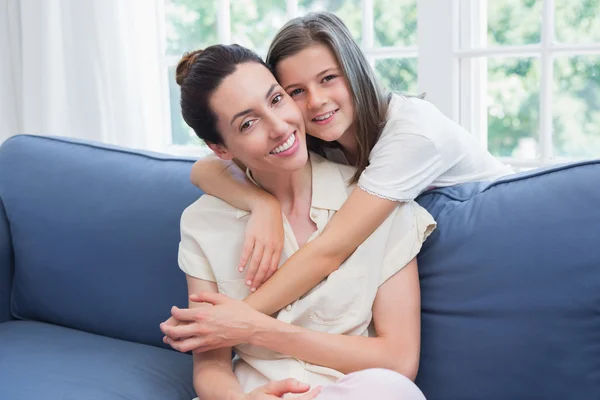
(199,74)
(370,100)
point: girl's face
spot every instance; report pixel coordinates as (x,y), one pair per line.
(261,125)
(314,79)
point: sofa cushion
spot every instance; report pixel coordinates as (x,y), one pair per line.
(510,285)
(95,232)
(55,363)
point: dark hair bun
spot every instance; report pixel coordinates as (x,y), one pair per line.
(185,64)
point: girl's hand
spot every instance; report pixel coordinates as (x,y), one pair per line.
(263,244)
(277,389)
(220,322)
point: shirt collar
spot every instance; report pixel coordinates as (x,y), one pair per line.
(329,184)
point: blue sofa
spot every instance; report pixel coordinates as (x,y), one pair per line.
(88,269)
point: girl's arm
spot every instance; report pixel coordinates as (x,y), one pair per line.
(263,241)
(225,180)
(213,376)
(396,314)
(357,219)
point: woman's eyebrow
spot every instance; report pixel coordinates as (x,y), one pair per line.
(249,110)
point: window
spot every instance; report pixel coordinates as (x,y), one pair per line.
(530,78)
(386,30)
(521,75)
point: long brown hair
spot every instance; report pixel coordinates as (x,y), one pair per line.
(370,99)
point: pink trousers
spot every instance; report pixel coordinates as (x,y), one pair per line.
(375,384)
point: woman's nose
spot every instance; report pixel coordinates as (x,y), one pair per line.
(279,127)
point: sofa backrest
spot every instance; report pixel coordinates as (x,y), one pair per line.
(510,286)
(95,232)
(6,264)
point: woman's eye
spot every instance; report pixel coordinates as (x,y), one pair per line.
(247,125)
(295,92)
(277,99)
(329,77)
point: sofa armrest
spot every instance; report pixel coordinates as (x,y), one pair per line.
(6,266)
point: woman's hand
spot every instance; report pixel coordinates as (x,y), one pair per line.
(277,389)
(219,322)
(263,244)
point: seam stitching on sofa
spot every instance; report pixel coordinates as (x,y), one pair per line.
(100,147)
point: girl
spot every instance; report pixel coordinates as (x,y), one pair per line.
(363,321)
(400,146)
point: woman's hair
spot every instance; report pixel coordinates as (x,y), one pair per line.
(199,74)
(370,100)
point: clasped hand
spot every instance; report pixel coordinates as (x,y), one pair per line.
(216,321)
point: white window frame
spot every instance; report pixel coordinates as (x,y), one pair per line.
(454,78)
(224,36)
(459,89)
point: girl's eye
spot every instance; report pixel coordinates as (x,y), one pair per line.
(329,77)
(277,99)
(295,92)
(247,125)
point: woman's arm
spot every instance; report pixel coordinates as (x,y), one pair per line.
(357,219)
(263,240)
(213,373)
(396,314)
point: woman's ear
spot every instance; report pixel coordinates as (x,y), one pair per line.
(220,151)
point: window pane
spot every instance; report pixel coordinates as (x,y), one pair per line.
(577,21)
(576,122)
(513,22)
(349,11)
(513,107)
(254,23)
(181,133)
(395,23)
(398,75)
(190,25)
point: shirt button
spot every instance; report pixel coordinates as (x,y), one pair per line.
(314,214)
(288,307)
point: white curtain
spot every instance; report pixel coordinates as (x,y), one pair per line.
(10,70)
(88,69)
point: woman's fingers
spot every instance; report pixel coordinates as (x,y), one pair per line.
(279,388)
(181,331)
(189,344)
(311,395)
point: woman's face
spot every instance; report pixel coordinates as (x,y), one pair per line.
(314,79)
(261,125)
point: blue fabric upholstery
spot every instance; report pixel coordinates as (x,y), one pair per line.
(510,279)
(6,265)
(95,232)
(510,286)
(49,362)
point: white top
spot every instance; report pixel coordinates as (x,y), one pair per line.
(420,148)
(212,234)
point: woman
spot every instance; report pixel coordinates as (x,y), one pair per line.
(363,321)
(400,146)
